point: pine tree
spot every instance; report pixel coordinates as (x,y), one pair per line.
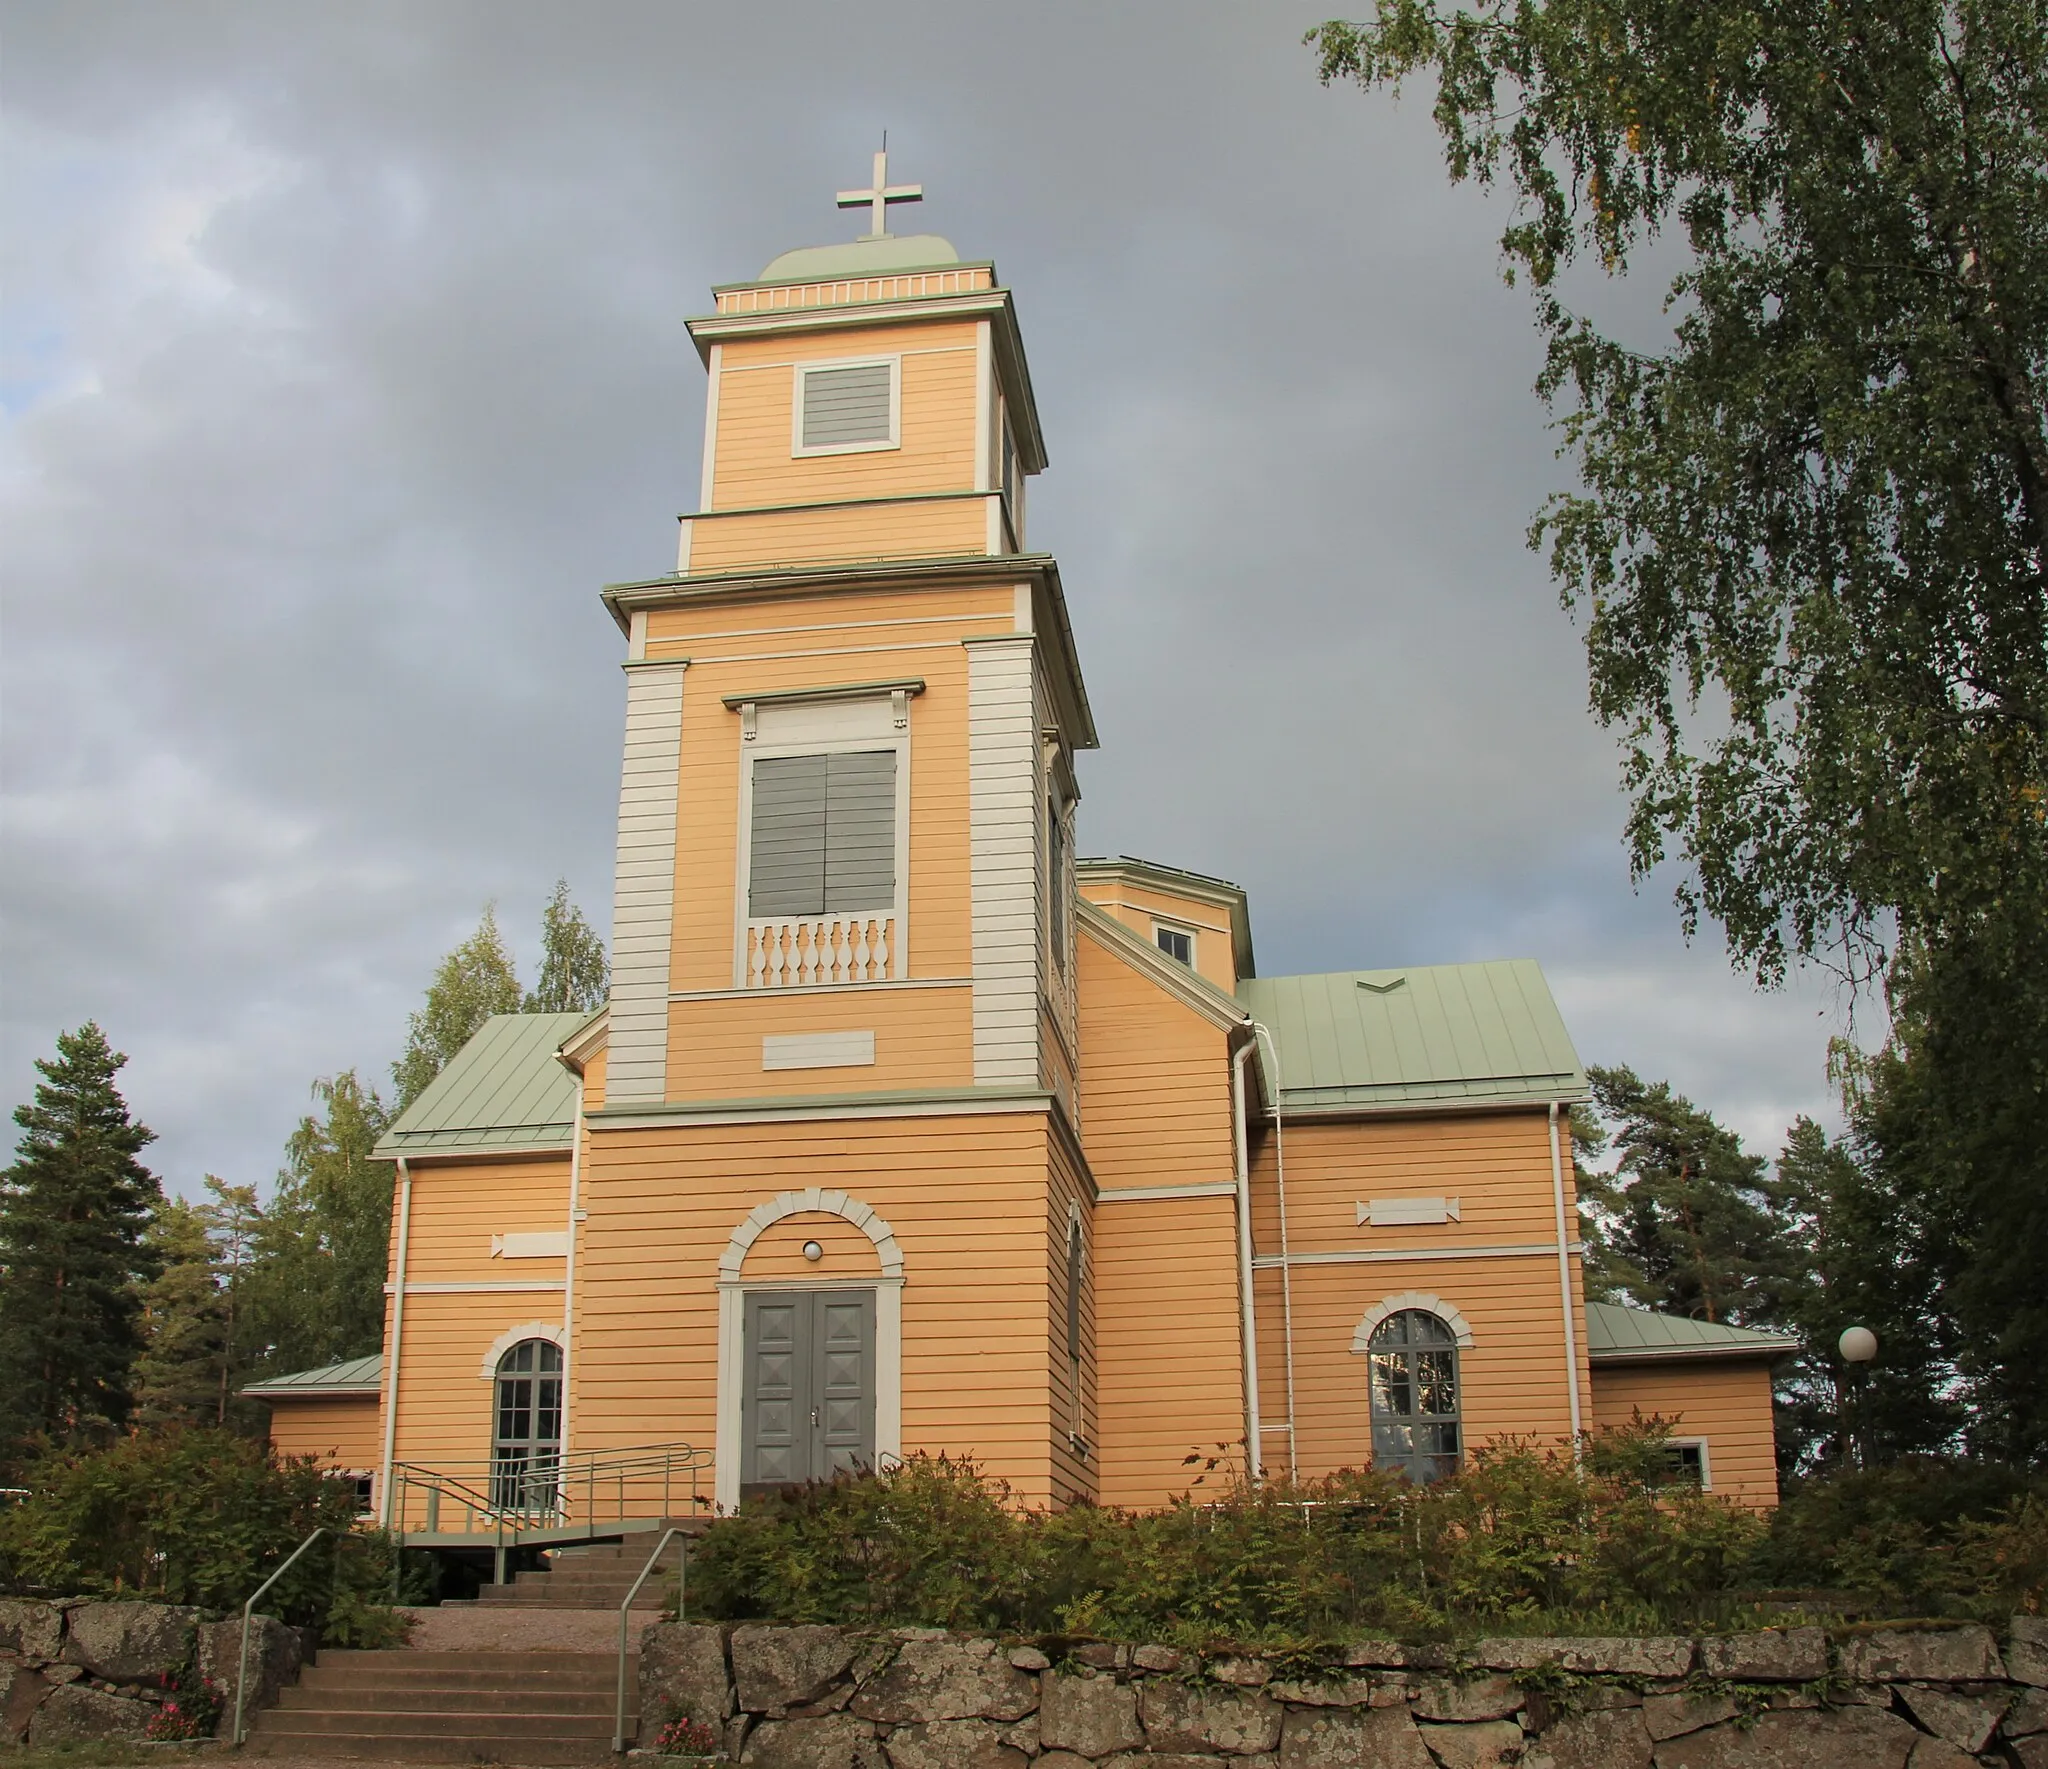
(73,1210)
(1696,1218)
(314,1291)
(574,974)
(1607,1275)
(473,982)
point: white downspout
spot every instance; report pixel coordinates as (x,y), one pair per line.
(1286,1263)
(397,1338)
(569,1272)
(1240,1105)
(1564,1283)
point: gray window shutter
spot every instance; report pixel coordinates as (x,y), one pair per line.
(860,831)
(786,872)
(846,406)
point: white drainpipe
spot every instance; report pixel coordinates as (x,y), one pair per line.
(569,1270)
(397,1338)
(1240,1105)
(1564,1281)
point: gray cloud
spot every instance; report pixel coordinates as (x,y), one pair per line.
(345,361)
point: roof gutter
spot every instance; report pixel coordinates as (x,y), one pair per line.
(1688,1354)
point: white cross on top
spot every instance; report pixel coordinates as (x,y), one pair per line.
(878,198)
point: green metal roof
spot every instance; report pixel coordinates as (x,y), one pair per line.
(1390,1040)
(1617,1335)
(360,1375)
(504,1092)
(886,256)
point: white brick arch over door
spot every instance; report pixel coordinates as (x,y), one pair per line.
(888,1290)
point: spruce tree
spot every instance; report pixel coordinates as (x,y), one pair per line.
(179,1376)
(74,1208)
(1866,1239)
(575,976)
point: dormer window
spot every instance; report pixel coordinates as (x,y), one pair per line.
(847,407)
(1178,943)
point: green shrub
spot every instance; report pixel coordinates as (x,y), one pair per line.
(1921,1536)
(199,1517)
(1523,1537)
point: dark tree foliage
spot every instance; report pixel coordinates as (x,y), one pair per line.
(1866,1248)
(315,1291)
(74,1210)
(1810,539)
(1813,536)
(1696,1224)
(1952,1122)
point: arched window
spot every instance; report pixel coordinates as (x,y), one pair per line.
(526,1433)
(1413,1358)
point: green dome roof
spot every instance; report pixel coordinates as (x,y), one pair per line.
(882,257)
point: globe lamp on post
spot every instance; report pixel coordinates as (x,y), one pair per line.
(1858,1346)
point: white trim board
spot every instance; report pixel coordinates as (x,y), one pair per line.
(1134,1194)
(643,912)
(1386,1256)
(499,1287)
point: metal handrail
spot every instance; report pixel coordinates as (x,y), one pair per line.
(242,1667)
(578,1487)
(625,1612)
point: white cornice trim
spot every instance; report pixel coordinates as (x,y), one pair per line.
(584,1043)
(800,1110)
(1176,979)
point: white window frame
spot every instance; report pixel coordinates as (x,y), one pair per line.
(796,410)
(1176,927)
(1706,1457)
(822,729)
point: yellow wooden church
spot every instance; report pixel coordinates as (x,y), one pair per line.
(906,1129)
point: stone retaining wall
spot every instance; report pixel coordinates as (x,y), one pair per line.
(828,1698)
(79,1670)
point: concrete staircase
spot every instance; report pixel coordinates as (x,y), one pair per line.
(408,1706)
(594,1577)
(525,1673)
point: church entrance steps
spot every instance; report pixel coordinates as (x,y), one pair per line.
(472,1628)
(593,1577)
(428,1706)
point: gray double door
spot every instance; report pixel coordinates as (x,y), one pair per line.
(807,1405)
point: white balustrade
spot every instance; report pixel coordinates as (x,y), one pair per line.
(789,951)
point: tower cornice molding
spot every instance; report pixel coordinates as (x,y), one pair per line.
(995,305)
(1039,571)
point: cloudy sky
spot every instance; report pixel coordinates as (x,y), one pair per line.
(345,361)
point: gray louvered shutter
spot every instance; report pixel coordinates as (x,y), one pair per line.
(860,831)
(786,869)
(846,406)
